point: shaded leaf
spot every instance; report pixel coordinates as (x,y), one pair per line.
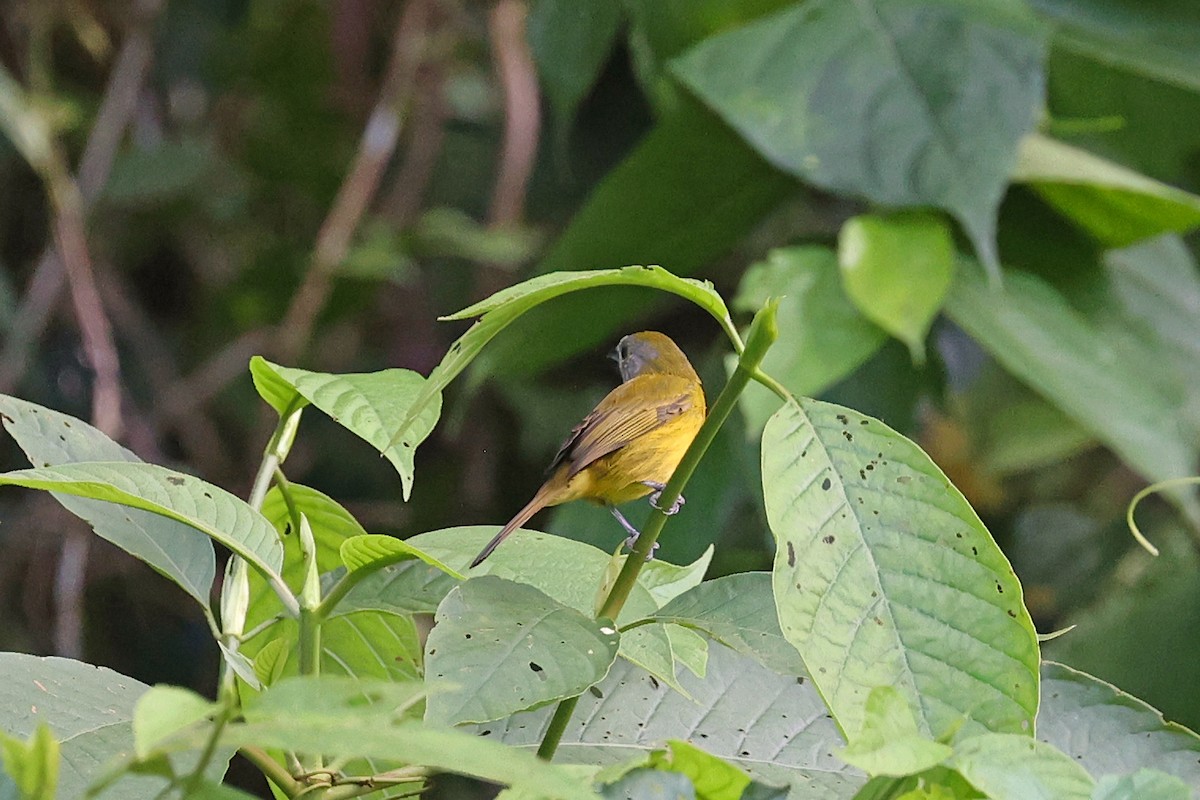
(571,42)
(883,100)
(1033,332)
(1109,732)
(164,711)
(49,438)
(184,498)
(822,335)
(1114,204)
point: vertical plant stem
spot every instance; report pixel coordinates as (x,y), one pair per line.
(763,333)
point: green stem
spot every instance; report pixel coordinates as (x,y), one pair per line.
(763,332)
(272,769)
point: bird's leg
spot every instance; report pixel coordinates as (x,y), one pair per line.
(658,490)
(633,532)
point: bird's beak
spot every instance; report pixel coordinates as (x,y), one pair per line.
(614,355)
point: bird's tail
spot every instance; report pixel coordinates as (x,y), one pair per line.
(532,507)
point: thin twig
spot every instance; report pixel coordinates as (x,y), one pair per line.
(117,107)
(428,126)
(522,114)
(375,150)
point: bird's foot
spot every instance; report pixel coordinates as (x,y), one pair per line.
(631,540)
(654,498)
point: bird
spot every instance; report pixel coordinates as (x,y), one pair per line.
(631,442)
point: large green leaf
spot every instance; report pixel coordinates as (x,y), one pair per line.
(884,576)
(410,587)
(500,647)
(1113,203)
(773,726)
(905,103)
(90,711)
(368,404)
(738,611)
(184,498)
(889,742)
(1145,784)
(1007,766)
(169,546)
(822,335)
(1109,732)
(1033,332)
(1153,39)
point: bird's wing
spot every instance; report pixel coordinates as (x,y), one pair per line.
(624,415)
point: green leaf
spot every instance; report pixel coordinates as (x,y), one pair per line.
(333,731)
(373,551)
(1033,332)
(857,98)
(667,581)
(566,570)
(738,611)
(369,405)
(651,783)
(1114,204)
(822,335)
(890,742)
(651,648)
(712,778)
(501,309)
(897,270)
(571,42)
(172,548)
(1157,286)
(410,587)
(500,647)
(1157,40)
(32,766)
(90,712)
(164,711)
(686,195)
(1107,731)
(161,173)
(1145,784)
(331,525)
(374,702)
(774,727)
(884,576)
(184,498)
(1008,766)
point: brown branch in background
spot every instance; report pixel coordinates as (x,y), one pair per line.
(522,114)
(428,127)
(117,107)
(375,150)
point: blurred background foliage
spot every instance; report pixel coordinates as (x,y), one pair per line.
(980,214)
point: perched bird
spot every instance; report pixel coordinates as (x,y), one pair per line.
(632,441)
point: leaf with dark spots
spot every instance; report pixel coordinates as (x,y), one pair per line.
(828,539)
(825,484)
(174,481)
(791,548)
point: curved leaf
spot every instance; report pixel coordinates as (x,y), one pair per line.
(169,546)
(1114,204)
(884,576)
(367,404)
(501,309)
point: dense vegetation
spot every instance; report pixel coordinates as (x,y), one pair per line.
(963,226)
